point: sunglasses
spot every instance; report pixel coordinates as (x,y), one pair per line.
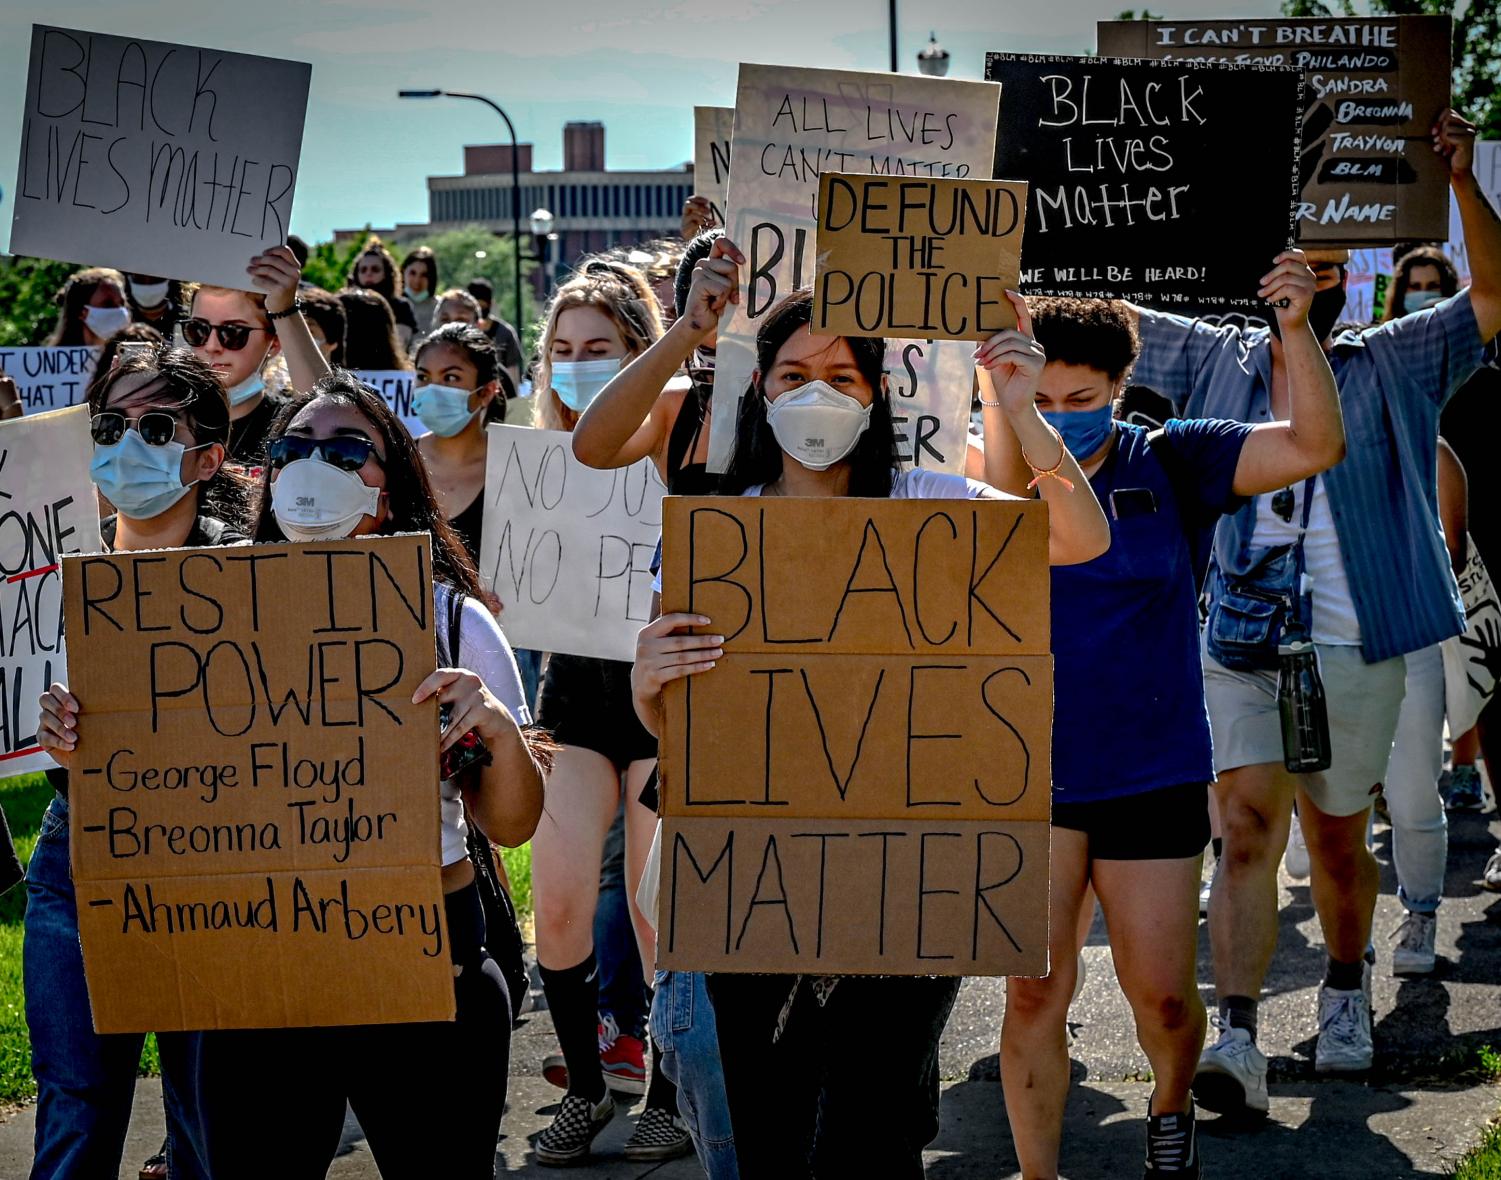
(156,428)
(232,336)
(345,452)
(1282,504)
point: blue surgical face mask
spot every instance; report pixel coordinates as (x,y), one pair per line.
(1420,300)
(1083,431)
(246,389)
(140,480)
(443,410)
(578,382)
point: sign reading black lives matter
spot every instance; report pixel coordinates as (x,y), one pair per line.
(1374,87)
(1149,181)
(156,158)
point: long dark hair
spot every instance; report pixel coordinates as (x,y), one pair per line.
(74,297)
(424,255)
(1448,277)
(370,341)
(410,505)
(481,353)
(757,458)
(192,390)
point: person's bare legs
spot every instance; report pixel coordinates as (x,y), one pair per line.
(1345,878)
(1034,1032)
(1151,910)
(640,827)
(583,791)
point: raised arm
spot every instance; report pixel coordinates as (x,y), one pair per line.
(1454,138)
(1312,439)
(277,274)
(626,421)
(1018,441)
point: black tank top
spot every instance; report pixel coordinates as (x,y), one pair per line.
(470,525)
(687,478)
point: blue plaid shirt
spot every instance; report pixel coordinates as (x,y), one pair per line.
(1393,381)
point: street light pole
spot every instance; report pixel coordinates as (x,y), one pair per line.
(893,37)
(515,172)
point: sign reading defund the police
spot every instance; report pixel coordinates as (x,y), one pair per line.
(568,548)
(861,786)
(156,158)
(47,508)
(254,797)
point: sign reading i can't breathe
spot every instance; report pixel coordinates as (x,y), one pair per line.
(862,786)
(156,158)
(1148,181)
(254,803)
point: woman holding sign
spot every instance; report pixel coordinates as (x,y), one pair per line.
(161,425)
(1130,803)
(817,422)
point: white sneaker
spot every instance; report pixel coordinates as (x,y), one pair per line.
(1295,859)
(1492,878)
(1344,1031)
(1232,1073)
(1413,954)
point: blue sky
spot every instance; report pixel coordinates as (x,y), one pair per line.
(640,66)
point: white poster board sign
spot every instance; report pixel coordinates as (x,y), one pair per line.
(568,548)
(49,377)
(395,385)
(712,129)
(156,158)
(47,508)
(791,125)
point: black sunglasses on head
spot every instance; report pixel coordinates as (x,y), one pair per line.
(232,336)
(344,451)
(156,427)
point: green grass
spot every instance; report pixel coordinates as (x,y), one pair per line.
(1484,1163)
(24,798)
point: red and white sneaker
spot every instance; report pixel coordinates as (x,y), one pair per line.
(622,1057)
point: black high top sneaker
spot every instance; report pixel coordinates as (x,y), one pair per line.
(1172,1147)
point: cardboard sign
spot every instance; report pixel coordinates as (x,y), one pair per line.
(712,129)
(1374,85)
(929,256)
(254,797)
(792,125)
(49,377)
(862,785)
(156,158)
(1140,184)
(47,509)
(395,385)
(568,548)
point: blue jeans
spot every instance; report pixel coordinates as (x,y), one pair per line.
(529,664)
(622,985)
(682,1024)
(85,1082)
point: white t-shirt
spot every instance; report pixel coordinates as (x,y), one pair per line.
(484,651)
(1334,619)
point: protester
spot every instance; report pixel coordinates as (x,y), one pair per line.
(1423,277)
(602,318)
(91,307)
(457,306)
(371,344)
(1130,807)
(497,329)
(327,321)
(155,301)
(375,270)
(1393,380)
(801,1056)
(160,427)
(419,280)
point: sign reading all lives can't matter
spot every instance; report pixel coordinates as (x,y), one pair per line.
(156,158)
(254,798)
(862,785)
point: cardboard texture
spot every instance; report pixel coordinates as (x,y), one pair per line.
(791,125)
(1369,175)
(49,377)
(712,129)
(47,509)
(156,158)
(568,548)
(902,255)
(1136,169)
(396,386)
(254,800)
(886,669)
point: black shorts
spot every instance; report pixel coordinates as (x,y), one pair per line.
(586,702)
(1169,823)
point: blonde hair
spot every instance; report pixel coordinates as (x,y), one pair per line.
(622,294)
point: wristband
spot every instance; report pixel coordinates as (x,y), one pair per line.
(295,309)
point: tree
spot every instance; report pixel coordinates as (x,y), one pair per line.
(474,252)
(28,298)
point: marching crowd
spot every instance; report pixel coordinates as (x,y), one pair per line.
(1300,499)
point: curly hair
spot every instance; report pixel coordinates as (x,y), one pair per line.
(699,248)
(1448,277)
(623,295)
(1095,333)
(74,297)
(390,285)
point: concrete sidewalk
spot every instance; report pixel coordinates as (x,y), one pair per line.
(1423,1106)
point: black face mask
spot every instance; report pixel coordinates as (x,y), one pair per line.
(1323,313)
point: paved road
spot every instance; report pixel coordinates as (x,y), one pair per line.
(1421,1108)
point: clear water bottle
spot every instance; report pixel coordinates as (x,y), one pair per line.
(1300,700)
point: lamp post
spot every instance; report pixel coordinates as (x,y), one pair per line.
(542,240)
(515,172)
(892,23)
(933,60)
